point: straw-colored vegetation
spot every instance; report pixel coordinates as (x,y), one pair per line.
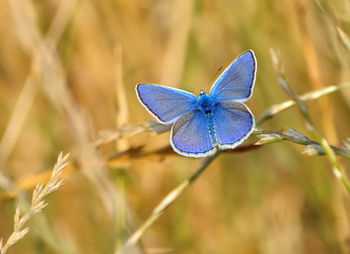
(37,204)
(68,70)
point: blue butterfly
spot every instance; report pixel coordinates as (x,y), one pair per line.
(203,124)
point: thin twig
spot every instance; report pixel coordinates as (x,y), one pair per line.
(265,137)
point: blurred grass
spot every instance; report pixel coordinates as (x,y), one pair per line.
(270,200)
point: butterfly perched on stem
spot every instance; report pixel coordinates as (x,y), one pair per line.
(203,124)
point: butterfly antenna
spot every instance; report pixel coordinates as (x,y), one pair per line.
(216,73)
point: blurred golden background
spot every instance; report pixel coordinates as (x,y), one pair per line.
(68,70)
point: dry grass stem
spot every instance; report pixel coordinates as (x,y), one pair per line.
(278,108)
(294,136)
(120,93)
(127,130)
(164,204)
(35,45)
(37,204)
(337,169)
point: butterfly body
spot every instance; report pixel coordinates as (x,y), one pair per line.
(211,128)
(206,105)
(217,120)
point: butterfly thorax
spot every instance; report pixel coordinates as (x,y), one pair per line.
(205,103)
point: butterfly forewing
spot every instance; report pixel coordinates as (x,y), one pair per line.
(236,83)
(233,123)
(164,103)
(190,135)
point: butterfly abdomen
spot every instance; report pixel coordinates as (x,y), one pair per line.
(212,130)
(206,105)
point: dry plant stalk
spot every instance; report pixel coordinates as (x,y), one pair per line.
(164,204)
(37,204)
(301,105)
(128,130)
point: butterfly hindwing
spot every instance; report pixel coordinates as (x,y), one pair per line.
(190,135)
(233,124)
(164,103)
(236,83)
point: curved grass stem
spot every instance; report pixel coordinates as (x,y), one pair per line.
(301,105)
(164,204)
(313,95)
